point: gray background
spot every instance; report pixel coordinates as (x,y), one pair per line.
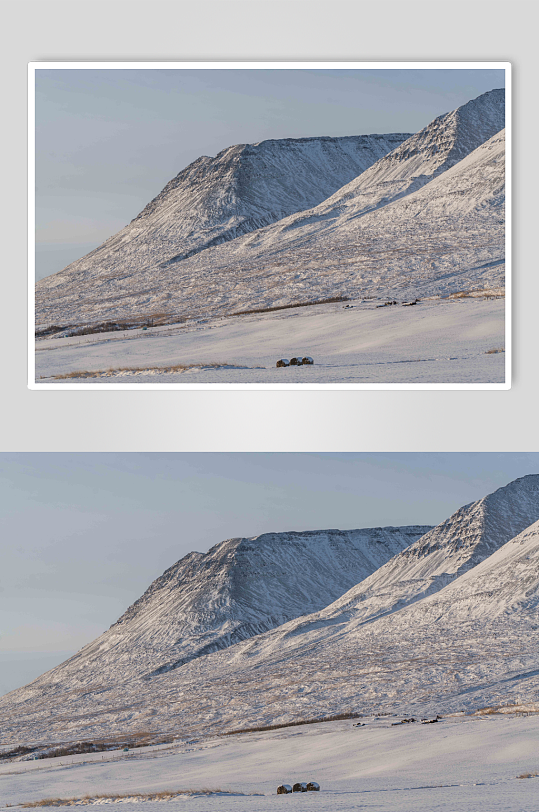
(262,420)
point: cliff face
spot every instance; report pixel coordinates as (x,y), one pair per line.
(239,588)
(213,200)
(294,220)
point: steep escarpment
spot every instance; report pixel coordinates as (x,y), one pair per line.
(239,588)
(213,200)
(274,223)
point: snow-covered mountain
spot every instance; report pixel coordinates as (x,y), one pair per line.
(206,602)
(424,156)
(471,645)
(358,241)
(416,162)
(448,624)
(447,235)
(443,554)
(439,557)
(214,200)
(503,587)
(240,588)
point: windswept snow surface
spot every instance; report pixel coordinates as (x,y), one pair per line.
(437,341)
(460,764)
(360,241)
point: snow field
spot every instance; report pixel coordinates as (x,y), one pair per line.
(459,764)
(436,341)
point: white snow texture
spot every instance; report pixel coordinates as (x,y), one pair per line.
(302,219)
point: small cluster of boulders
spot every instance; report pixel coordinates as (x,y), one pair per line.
(301,786)
(295,362)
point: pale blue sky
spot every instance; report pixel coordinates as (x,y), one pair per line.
(85,534)
(107,141)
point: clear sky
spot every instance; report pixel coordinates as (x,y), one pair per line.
(107,141)
(85,534)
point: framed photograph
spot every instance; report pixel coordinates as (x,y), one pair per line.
(269,225)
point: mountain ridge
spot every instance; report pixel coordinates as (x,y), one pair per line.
(351,243)
(242,586)
(245,186)
(443,554)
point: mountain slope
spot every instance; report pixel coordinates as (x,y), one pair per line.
(474,185)
(416,162)
(214,200)
(447,236)
(241,587)
(443,554)
(424,156)
(357,242)
(473,644)
(503,587)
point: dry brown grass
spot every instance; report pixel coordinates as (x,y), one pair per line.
(16,751)
(528,775)
(143,738)
(492,352)
(517,710)
(336,718)
(294,304)
(476,293)
(112,371)
(147,320)
(140,796)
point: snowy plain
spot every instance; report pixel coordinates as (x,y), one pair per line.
(457,340)
(459,764)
